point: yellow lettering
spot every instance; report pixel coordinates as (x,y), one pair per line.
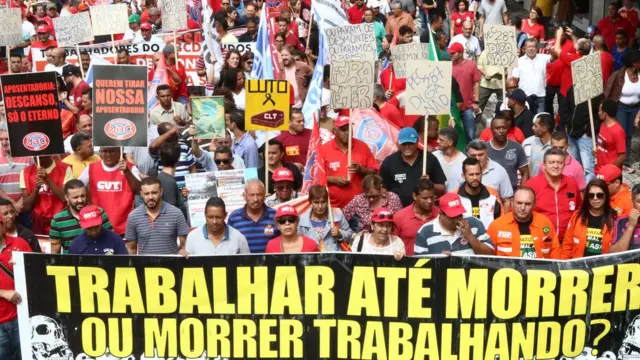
(92,284)
(221,303)
(468,341)
(319,282)
(267,338)
(427,342)
(161,296)
(194,293)
(540,286)
(600,288)
(348,335)
(579,328)
(160,342)
(497,342)
(244,332)
(286,292)
(218,331)
(471,295)
(127,291)
(391,278)
(363,294)
(573,290)
(521,341)
(324,339)
(549,334)
(94,336)
(400,345)
(120,339)
(61,275)
(255,291)
(627,288)
(506,306)
(291,332)
(191,337)
(418,292)
(374,341)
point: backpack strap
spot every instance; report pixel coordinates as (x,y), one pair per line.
(360,244)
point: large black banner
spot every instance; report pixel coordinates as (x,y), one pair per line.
(119,105)
(33,114)
(328,306)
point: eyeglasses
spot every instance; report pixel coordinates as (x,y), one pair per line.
(284,187)
(598,196)
(285,220)
(371,196)
(222,161)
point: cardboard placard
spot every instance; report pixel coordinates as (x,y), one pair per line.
(352,43)
(10,27)
(268,104)
(403,53)
(587,78)
(174,15)
(208,116)
(352,84)
(74,29)
(33,114)
(109,19)
(119,105)
(428,87)
(500,45)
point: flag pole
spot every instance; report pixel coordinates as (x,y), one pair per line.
(79,60)
(593,132)
(266,161)
(9,60)
(349,148)
(113,48)
(424,146)
(309,31)
(504,86)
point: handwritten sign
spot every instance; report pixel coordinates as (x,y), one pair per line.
(74,29)
(174,15)
(587,78)
(109,19)
(500,45)
(401,54)
(10,27)
(352,42)
(352,84)
(428,87)
(268,104)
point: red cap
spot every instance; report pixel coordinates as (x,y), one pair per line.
(82,6)
(609,173)
(342,121)
(455,48)
(282,174)
(73,10)
(451,205)
(145,26)
(90,216)
(382,215)
(43,28)
(286,210)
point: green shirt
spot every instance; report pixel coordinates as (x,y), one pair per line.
(65,227)
(379,32)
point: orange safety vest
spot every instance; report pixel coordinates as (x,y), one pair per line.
(575,239)
(505,235)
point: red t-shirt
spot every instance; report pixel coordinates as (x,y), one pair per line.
(567,79)
(295,146)
(457,19)
(8,310)
(308,245)
(611,142)
(181,89)
(514,134)
(535,30)
(391,113)
(608,29)
(355,14)
(554,73)
(606,63)
(293,40)
(408,224)
(466,74)
(39,45)
(631,15)
(75,95)
(387,76)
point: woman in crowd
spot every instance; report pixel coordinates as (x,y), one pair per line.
(591,227)
(316,223)
(623,86)
(289,241)
(380,240)
(247,61)
(280,39)
(532,25)
(459,16)
(296,14)
(233,60)
(358,211)
(232,18)
(234,81)
(386,48)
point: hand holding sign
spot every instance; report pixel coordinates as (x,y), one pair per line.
(500,45)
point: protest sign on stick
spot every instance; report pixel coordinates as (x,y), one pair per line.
(33,115)
(208,116)
(401,54)
(352,42)
(500,45)
(74,29)
(587,83)
(120,105)
(10,27)
(109,19)
(174,16)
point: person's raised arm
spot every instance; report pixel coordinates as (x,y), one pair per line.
(154,147)
(624,241)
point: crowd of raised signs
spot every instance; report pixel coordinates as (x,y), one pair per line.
(536,182)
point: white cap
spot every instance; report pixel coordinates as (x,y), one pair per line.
(374,4)
(326,97)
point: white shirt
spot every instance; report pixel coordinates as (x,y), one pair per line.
(453,169)
(630,94)
(395,246)
(532,74)
(239,99)
(471,46)
(58,69)
(84,177)
(28,31)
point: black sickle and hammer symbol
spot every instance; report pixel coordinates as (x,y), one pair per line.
(267,98)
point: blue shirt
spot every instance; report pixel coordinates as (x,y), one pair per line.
(246,148)
(108,243)
(258,233)
(617,57)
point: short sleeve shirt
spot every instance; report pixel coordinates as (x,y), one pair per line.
(511,157)
(493,12)
(433,239)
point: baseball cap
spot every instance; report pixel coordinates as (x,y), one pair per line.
(451,205)
(168,49)
(90,216)
(43,28)
(135,18)
(382,215)
(145,26)
(51,6)
(592,30)
(69,70)
(282,174)
(407,135)
(341,121)
(455,48)
(519,96)
(73,10)
(609,173)
(286,210)
(373,4)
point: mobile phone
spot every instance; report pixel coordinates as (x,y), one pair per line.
(541,45)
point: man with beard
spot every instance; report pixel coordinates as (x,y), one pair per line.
(13,229)
(82,155)
(275,160)
(73,78)
(252,32)
(479,201)
(401,170)
(95,240)
(296,140)
(410,219)
(297,73)
(524,232)
(65,225)
(255,220)
(154,227)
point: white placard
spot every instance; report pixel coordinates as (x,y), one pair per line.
(500,45)
(352,42)
(587,78)
(74,29)
(11,27)
(174,14)
(428,87)
(401,54)
(352,84)
(109,19)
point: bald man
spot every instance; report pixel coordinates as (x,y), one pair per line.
(58,61)
(84,124)
(606,59)
(255,220)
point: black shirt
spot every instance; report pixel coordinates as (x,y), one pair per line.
(593,246)
(524,227)
(401,178)
(29,237)
(525,122)
(297,176)
(246,37)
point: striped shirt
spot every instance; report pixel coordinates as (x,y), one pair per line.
(65,227)
(186,161)
(10,169)
(432,239)
(258,233)
(157,236)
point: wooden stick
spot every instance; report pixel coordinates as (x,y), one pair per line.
(593,132)
(38,160)
(504,86)
(113,48)
(175,47)
(309,31)
(390,76)
(349,148)
(9,60)
(425,147)
(79,60)
(266,161)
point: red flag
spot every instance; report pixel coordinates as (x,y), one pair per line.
(314,170)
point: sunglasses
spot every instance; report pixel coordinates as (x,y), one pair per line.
(371,196)
(385,216)
(598,196)
(284,187)
(222,161)
(287,220)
